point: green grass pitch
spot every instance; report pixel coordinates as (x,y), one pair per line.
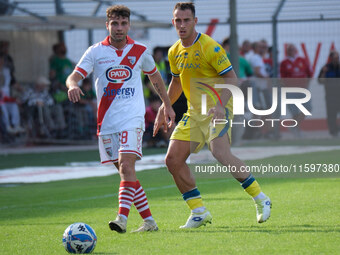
(305,215)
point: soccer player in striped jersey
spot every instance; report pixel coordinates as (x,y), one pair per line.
(117,63)
(193,56)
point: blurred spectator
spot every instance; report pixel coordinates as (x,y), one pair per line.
(9,106)
(87,110)
(4,137)
(256,61)
(246,48)
(274,132)
(244,68)
(44,117)
(160,140)
(60,66)
(54,55)
(260,87)
(161,64)
(295,72)
(268,62)
(329,77)
(8,60)
(163,68)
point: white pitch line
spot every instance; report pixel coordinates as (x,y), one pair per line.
(106,195)
(78,170)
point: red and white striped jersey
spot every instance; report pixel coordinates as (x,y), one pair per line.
(118,84)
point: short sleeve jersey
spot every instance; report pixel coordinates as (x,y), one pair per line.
(118,84)
(205,58)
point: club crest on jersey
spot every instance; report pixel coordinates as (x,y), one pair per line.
(132,59)
(118,74)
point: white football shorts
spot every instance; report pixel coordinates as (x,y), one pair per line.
(129,141)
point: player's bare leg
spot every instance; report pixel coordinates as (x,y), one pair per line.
(175,160)
(127,163)
(220,148)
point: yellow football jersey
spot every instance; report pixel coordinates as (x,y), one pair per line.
(204,59)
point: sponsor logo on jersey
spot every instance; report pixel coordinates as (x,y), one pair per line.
(118,74)
(123,92)
(217,49)
(107,61)
(222,59)
(188,66)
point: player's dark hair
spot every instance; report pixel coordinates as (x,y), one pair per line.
(157,48)
(332,53)
(116,11)
(185,6)
(225,42)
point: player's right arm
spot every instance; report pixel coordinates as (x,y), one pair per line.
(174,92)
(74,91)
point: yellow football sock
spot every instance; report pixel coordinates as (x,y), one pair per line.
(253,189)
(195,203)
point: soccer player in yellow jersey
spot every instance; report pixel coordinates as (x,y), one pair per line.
(193,56)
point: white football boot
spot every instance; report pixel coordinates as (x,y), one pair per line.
(196,220)
(147,226)
(263,207)
(119,224)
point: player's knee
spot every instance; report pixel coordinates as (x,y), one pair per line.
(171,162)
(221,155)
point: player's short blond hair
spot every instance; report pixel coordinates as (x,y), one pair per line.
(185,6)
(116,11)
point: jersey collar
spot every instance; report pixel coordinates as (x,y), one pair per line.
(106,41)
(196,39)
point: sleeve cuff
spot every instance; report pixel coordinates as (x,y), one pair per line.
(225,70)
(175,75)
(151,72)
(81,71)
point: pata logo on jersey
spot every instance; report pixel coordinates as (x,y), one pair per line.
(118,74)
(271,100)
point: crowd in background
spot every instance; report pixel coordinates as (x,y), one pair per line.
(42,110)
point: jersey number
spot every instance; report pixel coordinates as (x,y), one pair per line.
(185,119)
(124,137)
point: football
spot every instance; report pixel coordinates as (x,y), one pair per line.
(79,238)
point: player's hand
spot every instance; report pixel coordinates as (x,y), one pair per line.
(217,111)
(74,94)
(160,121)
(169,115)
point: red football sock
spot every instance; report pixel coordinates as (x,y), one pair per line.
(141,202)
(126,195)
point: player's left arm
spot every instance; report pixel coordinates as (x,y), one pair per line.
(218,59)
(218,111)
(158,83)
